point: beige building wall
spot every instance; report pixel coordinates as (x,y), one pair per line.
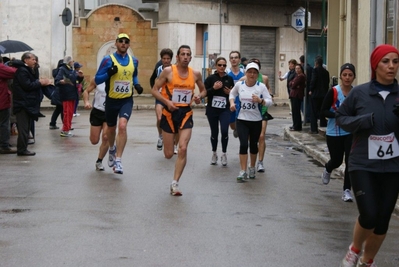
(349,37)
(291,46)
(363,47)
(102,25)
(38,24)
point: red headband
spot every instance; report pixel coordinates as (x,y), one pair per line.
(378,53)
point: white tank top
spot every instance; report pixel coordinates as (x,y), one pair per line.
(99,97)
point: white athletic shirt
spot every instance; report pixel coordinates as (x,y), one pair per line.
(249,111)
(99,97)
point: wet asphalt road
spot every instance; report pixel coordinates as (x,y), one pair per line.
(56,210)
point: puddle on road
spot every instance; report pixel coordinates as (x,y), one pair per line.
(15,210)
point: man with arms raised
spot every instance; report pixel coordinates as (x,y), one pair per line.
(178,84)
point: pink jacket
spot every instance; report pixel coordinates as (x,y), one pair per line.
(6,73)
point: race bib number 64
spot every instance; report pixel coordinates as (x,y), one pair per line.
(383,146)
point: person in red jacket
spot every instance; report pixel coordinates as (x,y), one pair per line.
(6,73)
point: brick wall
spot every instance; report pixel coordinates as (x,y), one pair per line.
(101,26)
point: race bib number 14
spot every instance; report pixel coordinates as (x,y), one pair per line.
(383,146)
(182,96)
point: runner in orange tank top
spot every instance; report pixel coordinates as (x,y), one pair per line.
(178,82)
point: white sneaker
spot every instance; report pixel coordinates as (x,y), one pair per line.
(251,172)
(260,167)
(350,260)
(223,159)
(111,157)
(66,134)
(118,167)
(99,166)
(347,196)
(214,159)
(361,264)
(174,190)
(325,177)
(242,177)
(159,144)
(175,150)
(76,114)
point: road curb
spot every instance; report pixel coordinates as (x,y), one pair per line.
(312,150)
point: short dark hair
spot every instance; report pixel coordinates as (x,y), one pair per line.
(302,59)
(300,67)
(26,55)
(219,59)
(319,61)
(235,51)
(166,51)
(293,61)
(255,60)
(183,46)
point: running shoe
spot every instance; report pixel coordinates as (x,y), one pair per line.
(260,167)
(223,159)
(361,264)
(159,144)
(174,190)
(251,172)
(118,167)
(214,159)
(325,177)
(76,114)
(111,157)
(350,260)
(66,134)
(175,150)
(99,166)
(347,196)
(242,177)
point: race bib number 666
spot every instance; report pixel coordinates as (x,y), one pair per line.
(383,146)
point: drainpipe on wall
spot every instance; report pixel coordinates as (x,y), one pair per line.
(342,36)
(323,24)
(65,46)
(220,23)
(373,24)
(76,12)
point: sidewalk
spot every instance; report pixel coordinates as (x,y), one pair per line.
(313,145)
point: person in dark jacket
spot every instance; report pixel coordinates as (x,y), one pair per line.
(218,87)
(306,107)
(26,99)
(370,112)
(56,101)
(319,86)
(66,81)
(297,92)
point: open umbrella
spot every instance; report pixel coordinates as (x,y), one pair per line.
(13,46)
(2,49)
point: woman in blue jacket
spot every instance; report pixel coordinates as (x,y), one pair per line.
(66,81)
(339,141)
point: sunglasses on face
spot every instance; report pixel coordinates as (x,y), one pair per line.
(222,65)
(123,41)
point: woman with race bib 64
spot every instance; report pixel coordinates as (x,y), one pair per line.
(371,113)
